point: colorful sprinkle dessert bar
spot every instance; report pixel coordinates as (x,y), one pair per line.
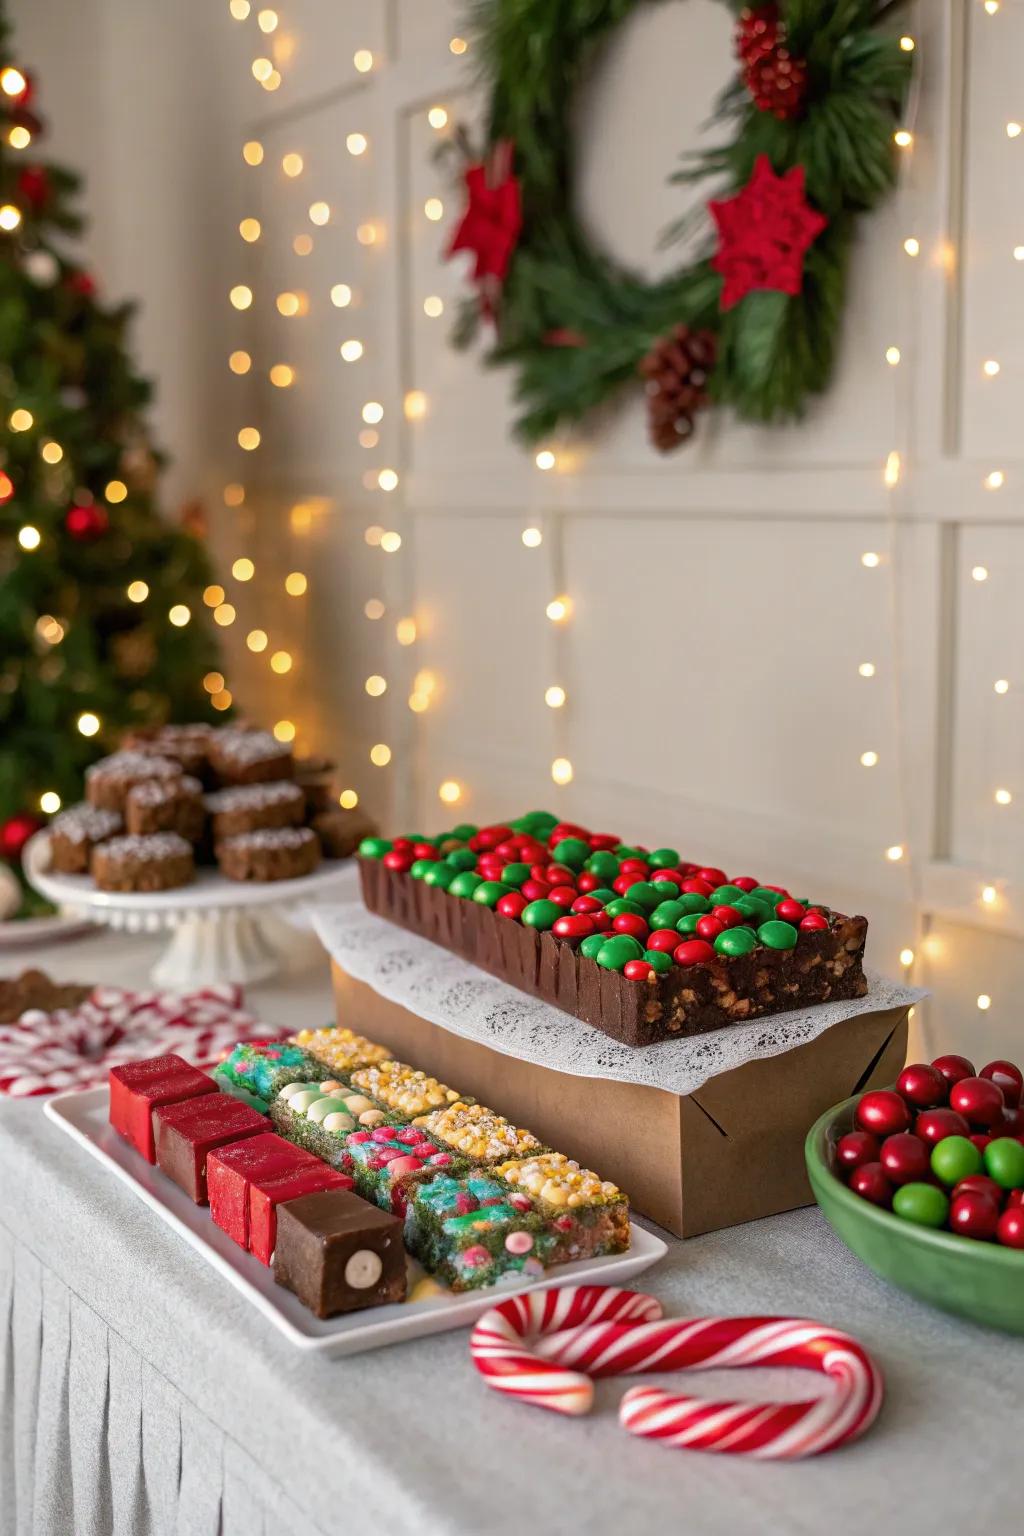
(140,1087)
(267,1194)
(641,943)
(589,1215)
(472,1230)
(478,1133)
(340,1049)
(388,1161)
(321,1116)
(230,1169)
(262,1068)
(405,1089)
(187,1132)
(339,1254)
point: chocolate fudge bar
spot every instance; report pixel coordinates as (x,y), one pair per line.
(478,1133)
(267,1194)
(259,1069)
(140,1087)
(230,1169)
(640,943)
(470,1231)
(186,1132)
(339,1254)
(74,833)
(321,1116)
(339,1049)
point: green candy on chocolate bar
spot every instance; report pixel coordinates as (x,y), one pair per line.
(374,847)
(440,875)
(614,952)
(489,892)
(465,883)
(462,859)
(592,944)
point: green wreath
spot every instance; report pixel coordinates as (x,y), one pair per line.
(753,323)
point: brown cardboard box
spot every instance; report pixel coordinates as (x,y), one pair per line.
(731,1152)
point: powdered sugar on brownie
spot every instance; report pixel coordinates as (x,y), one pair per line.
(252,797)
(269,838)
(160,791)
(249,746)
(155,845)
(129,765)
(86,823)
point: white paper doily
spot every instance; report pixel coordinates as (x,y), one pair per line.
(441,987)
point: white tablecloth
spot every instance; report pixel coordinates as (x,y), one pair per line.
(140,1394)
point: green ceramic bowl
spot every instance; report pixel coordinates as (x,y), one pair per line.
(982,1281)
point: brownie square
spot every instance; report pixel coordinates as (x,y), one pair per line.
(338,1253)
(186,1133)
(229,1170)
(139,1087)
(265,1195)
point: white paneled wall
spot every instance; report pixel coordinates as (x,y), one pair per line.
(722,611)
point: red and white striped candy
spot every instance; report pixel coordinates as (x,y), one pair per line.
(577,1333)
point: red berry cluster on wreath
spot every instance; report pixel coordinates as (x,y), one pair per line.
(775,79)
(634,910)
(945,1149)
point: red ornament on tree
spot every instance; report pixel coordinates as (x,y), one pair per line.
(764,233)
(492,221)
(775,79)
(15,833)
(86,523)
(81,283)
(35,186)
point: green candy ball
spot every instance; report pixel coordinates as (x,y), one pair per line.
(736,941)
(658,960)
(955,1158)
(541,914)
(755,910)
(603,864)
(374,847)
(644,893)
(573,852)
(535,824)
(591,945)
(777,934)
(604,894)
(516,874)
(462,858)
(693,901)
(624,851)
(667,914)
(489,892)
(764,894)
(922,1204)
(465,883)
(688,924)
(623,904)
(1004,1162)
(421,867)
(441,875)
(464,831)
(666,889)
(726,895)
(614,952)
(663,858)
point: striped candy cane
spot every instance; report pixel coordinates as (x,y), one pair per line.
(547,1346)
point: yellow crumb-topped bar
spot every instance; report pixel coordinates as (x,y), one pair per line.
(405,1088)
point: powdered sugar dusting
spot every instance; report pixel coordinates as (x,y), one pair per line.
(249,746)
(86,823)
(161,791)
(155,845)
(270,838)
(254,797)
(129,765)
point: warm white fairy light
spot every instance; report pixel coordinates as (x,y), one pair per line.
(1003,797)
(243,569)
(457,45)
(434,209)
(561,770)
(115,491)
(267,21)
(990,368)
(532,537)
(433,306)
(49,802)
(984,1002)
(1001,685)
(88,724)
(368,233)
(239,362)
(437,117)
(559,609)
(249,438)
(257,640)
(296,583)
(348,799)
(372,412)
(234,494)
(907,44)
(868,759)
(406,631)
(351,350)
(1013,130)
(49,630)
(10,217)
(994,480)
(12,81)
(288,304)
(391,542)
(374,608)
(29,537)
(902,138)
(19,137)
(179,615)
(1018,253)
(250,230)
(363,60)
(892,356)
(319,213)
(989,895)
(357,143)
(137,591)
(252,152)
(893,466)
(302,245)
(373,535)
(241,296)
(51,452)
(224,614)
(20,420)
(449,792)
(554,697)
(866,669)
(906,957)
(414,405)
(262,69)
(284,730)
(991,6)
(292,164)
(376,685)
(545,459)
(894,853)
(387,479)
(341,295)
(369,437)
(380,754)
(281,662)
(282,375)
(979,573)
(213,595)
(912,246)
(870,559)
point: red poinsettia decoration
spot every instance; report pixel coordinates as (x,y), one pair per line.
(492,221)
(764,233)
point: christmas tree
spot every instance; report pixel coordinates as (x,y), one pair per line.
(102,623)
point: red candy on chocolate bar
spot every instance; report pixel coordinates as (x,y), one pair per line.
(265,1195)
(138,1087)
(230,1169)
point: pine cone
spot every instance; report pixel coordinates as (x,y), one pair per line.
(677,369)
(775,79)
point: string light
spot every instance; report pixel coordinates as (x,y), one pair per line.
(357,143)
(373,608)
(532,537)
(51,452)
(419,702)
(368,438)
(1018,253)
(262,70)
(1003,797)
(907,44)
(892,356)
(267,21)
(561,770)
(319,213)
(892,469)
(437,117)
(406,631)
(375,685)
(348,799)
(870,559)
(979,573)
(1001,685)
(991,6)
(434,209)
(213,595)
(984,1002)
(351,350)
(10,217)
(373,412)
(252,152)
(20,420)
(1013,130)
(222,700)
(234,494)
(179,615)
(282,375)
(49,629)
(363,60)
(433,307)
(554,697)
(257,640)
(243,569)
(19,137)
(988,895)
(866,669)
(545,459)
(414,405)
(458,45)
(302,245)
(49,802)
(990,368)
(12,81)
(224,614)
(868,759)
(895,853)
(341,295)
(213,682)
(281,662)
(367,234)
(388,481)
(912,246)
(137,591)
(559,609)
(29,537)
(239,362)
(284,730)
(292,164)
(249,438)
(115,491)
(88,724)
(450,792)
(906,957)
(902,138)
(380,755)
(994,480)
(391,542)
(288,304)
(373,535)
(241,296)
(295,584)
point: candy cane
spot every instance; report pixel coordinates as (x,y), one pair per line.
(577,1333)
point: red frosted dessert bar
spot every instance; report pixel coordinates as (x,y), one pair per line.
(186,1132)
(139,1087)
(229,1170)
(266,1194)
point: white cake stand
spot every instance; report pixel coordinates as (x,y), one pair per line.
(215,924)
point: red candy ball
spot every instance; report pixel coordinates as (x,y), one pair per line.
(563,895)
(714,877)
(922,1085)
(856,1148)
(401,845)
(601,921)
(588,882)
(870,1182)
(398,860)
(953,1068)
(790,911)
(709,927)
(559,874)
(1015,1197)
(603,841)
(1010,1227)
(578,927)
(1007,1077)
(637,970)
(974,1214)
(666,939)
(780,890)
(622,883)
(904,1158)
(668,874)
(729,917)
(814,922)
(693,952)
(631,923)
(566,829)
(512,904)
(745,882)
(535,890)
(981,1184)
(978,1099)
(509,849)
(424,851)
(933,1124)
(489,837)
(696,887)
(981,1141)
(586,904)
(1013,1123)
(883,1113)
(638,868)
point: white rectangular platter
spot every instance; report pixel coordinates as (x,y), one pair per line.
(83,1116)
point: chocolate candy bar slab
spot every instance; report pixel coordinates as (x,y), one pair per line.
(338,1253)
(139,1087)
(187,1132)
(267,1194)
